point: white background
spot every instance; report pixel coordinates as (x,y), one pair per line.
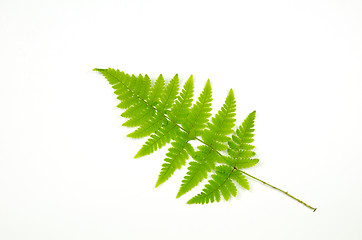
(67,169)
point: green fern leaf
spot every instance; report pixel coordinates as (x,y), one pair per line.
(165,115)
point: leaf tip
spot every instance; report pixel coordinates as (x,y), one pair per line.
(99,69)
(138,155)
(179,194)
(190,80)
(231,95)
(158,183)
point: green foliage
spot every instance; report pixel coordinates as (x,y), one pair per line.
(166,115)
(240,156)
(193,126)
(214,137)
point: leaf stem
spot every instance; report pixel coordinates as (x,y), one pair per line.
(286,193)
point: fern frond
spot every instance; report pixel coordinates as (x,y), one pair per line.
(161,113)
(164,115)
(214,138)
